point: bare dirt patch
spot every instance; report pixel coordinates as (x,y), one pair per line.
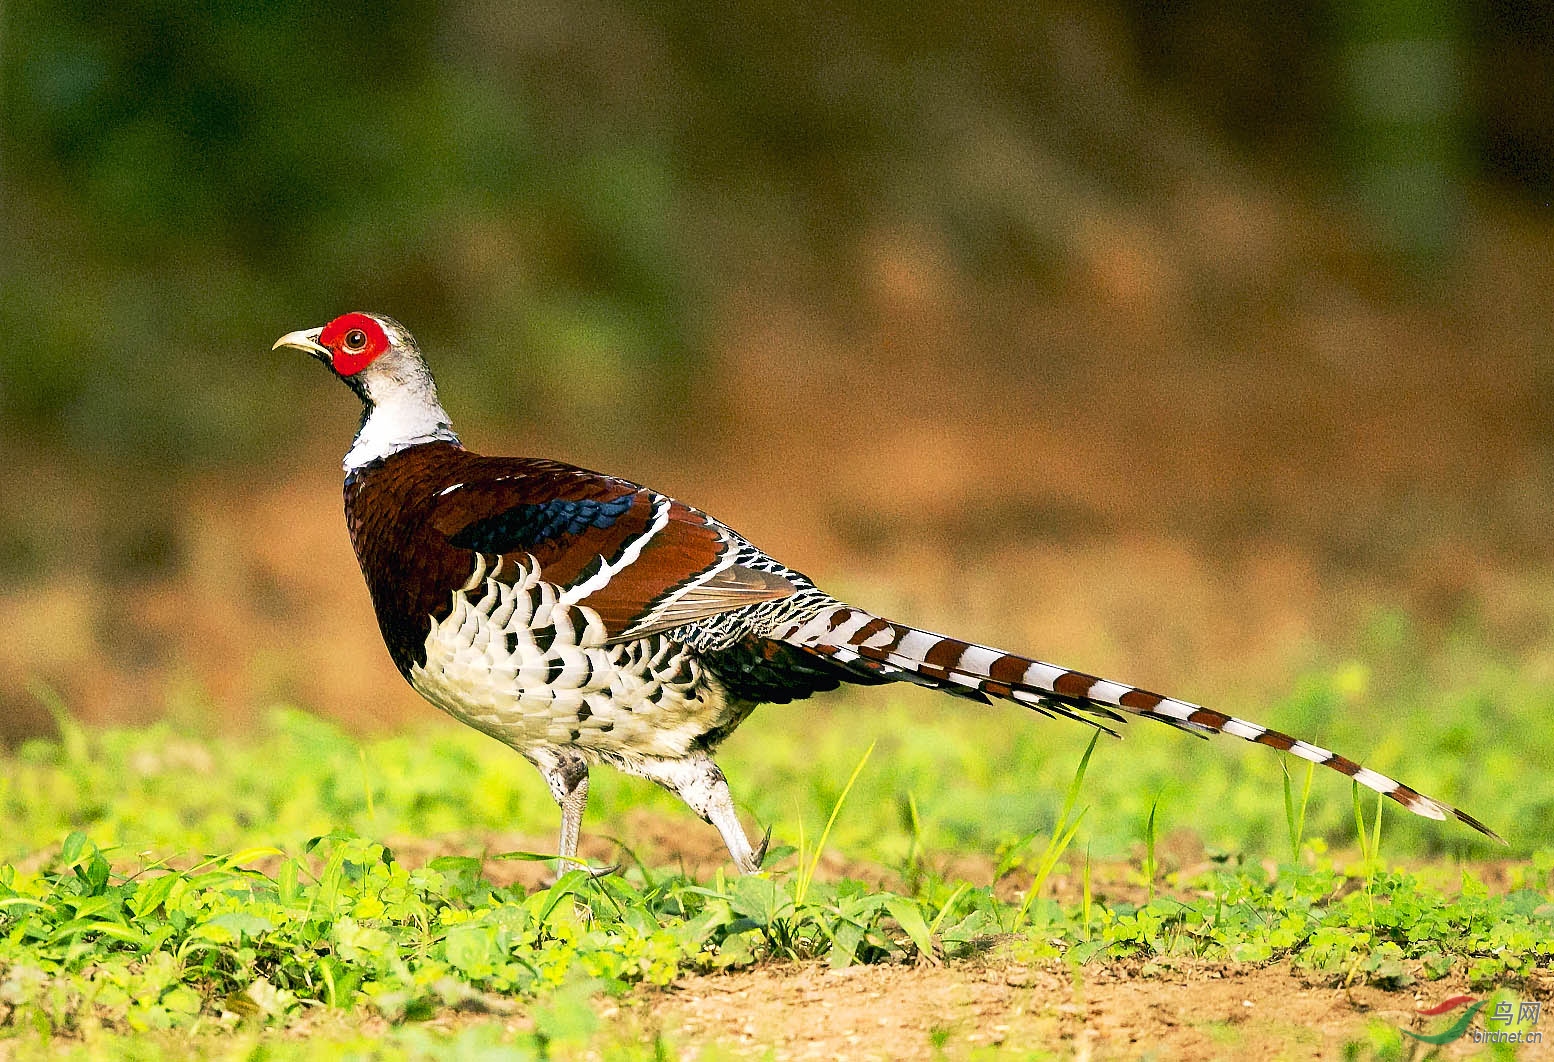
(1183,1011)
(1002,1008)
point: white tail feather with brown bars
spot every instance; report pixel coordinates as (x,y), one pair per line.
(851,635)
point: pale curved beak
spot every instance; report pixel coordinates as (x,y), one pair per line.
(305,340)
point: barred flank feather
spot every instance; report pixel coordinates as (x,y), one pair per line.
(882,648)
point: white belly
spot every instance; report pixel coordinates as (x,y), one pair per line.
(530,672)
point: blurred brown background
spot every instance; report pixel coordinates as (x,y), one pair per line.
(1176,342)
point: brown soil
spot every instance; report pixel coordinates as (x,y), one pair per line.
(1188,1011)
(1159,1010)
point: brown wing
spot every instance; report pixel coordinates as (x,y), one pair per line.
(643,561)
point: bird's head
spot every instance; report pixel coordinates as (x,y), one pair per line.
(377,357)
(374,354)
(354,342)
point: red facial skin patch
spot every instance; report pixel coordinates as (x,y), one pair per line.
(349,358)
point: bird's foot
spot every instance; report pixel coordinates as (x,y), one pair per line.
(568,865)
(752,865)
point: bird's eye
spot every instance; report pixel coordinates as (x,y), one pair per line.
(355,340)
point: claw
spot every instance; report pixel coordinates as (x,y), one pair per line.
(568,865)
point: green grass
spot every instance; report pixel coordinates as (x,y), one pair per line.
(95,939)
(158,884)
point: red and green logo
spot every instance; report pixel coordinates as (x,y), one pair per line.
(1506,1013)
(1458,1029)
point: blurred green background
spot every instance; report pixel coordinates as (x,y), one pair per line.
(577,189)
(1208,345)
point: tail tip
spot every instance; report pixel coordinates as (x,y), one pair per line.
(1434,809)
(1463,816)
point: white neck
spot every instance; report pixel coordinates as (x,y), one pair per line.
(402,419)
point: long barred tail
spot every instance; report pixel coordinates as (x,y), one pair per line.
(880,649)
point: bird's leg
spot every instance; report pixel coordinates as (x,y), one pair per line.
(567,775)
(572,805)
(701,784)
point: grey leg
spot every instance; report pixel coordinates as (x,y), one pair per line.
(567,775)
(700,783)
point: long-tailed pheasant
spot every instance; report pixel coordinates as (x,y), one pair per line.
(583,619)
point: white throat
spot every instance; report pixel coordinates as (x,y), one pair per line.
(402,419)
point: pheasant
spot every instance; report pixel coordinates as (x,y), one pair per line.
(583,619)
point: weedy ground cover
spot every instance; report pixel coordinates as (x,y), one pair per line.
(161,891)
